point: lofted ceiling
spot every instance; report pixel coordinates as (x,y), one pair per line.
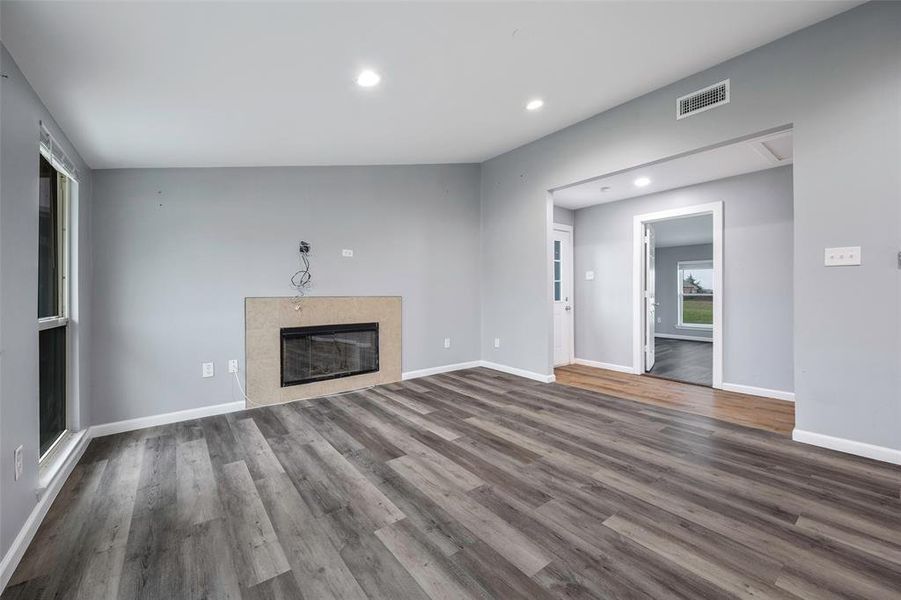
(177,84)
(756,154)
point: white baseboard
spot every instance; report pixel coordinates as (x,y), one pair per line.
(889,455)
(758,391)
(33,522)
(518,372)
(165,418)
(602,365)
(690,338)
(442,369)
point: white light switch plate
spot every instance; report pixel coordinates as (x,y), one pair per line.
(497,342)
(347,253)
(207,370)
(848,256)
(589,275)
(447,342)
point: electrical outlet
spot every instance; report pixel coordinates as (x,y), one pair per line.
(19,464)
(447,342)
(347,253)
(208,370)
(233,366)
(660,319)
(589,275)
(497,342)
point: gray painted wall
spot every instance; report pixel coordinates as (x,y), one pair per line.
(757,275)
(563,216)
(176,251)
(846,185)
(20,113)
(667,290)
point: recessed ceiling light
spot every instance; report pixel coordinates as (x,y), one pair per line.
(642,182)
(535,104)
(368,78)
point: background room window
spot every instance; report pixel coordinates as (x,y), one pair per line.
(53,317)
(696,294)
(558,270)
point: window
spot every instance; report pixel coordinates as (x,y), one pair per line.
(53,318)
(695,294)
(558,271)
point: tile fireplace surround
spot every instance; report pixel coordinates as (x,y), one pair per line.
(265,317)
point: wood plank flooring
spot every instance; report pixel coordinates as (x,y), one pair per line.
(472,484)
(751,411)
(683,360)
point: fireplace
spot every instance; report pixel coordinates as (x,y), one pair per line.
(324,352)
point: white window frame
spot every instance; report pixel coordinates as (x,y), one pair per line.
(67,199)
(554,274)
(680,267)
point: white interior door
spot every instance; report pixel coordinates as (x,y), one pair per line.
(563,315)
(650,279)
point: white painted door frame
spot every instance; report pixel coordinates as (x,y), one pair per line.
(715,209)
(650,296)
(568,291)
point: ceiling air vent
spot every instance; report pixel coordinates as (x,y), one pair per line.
(705,99)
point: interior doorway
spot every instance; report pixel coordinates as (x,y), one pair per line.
(744,189)
(562,269)
(679,297)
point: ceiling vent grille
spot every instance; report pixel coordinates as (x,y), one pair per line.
(701,100)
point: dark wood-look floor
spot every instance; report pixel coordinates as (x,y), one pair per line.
(751,411)
(683,360)
(472,484)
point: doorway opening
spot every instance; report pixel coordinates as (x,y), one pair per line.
(678,273)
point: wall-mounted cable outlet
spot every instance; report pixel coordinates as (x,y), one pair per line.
(207,370)
(19,464)
(233,365)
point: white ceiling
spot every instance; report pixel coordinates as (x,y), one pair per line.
(747,156)
(173,84)
(684,232)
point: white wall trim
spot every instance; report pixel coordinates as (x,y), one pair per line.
(165,418)
(26,533)
(518,372)
(442,369)
(689,338)
(759,391)
(889,455)
(715,209)
(602,365)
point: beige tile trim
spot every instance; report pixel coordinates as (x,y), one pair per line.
(264,318)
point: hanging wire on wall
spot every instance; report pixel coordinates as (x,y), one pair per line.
(300,281)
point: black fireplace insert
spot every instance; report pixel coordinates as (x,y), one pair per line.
(325,352)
